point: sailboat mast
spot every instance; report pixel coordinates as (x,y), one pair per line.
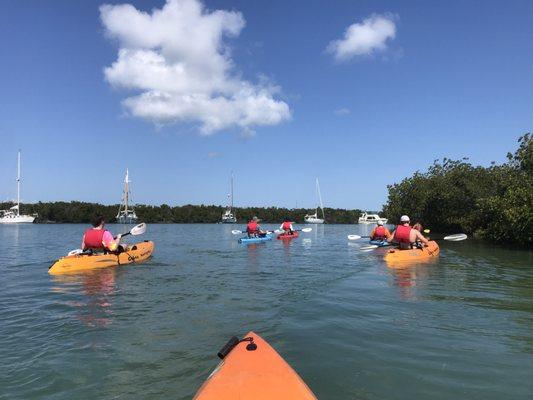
(126,191)
(231,192)
(320,197)
(18,183)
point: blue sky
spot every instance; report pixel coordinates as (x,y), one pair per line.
(454,80)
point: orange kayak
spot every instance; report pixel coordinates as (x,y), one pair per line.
(251,369)
(396,257)
(135,253)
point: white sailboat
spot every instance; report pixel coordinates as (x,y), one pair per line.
(229,217)
(313,218)
(126,213)
(13,215)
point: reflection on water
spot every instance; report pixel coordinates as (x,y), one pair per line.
(98,289)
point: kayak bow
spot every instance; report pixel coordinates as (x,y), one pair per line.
(252,369)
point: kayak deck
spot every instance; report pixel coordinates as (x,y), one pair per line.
(397,258)
(286,236)
(247,240)
(260,374)
(135,253)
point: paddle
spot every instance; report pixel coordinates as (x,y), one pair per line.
(237,232)
(457,237)
(357,237)
(136,230)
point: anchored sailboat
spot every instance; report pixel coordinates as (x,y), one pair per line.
(126,213)
(13,215)
(313,218)
(229,217)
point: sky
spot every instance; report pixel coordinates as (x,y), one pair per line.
(360,94)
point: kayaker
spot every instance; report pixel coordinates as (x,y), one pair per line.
(253,229)
(286,227)
(98,238)
(406,236)
(380,232)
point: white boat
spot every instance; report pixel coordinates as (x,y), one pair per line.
(229,217)
(366,218)
(313,218)
(13,215)
(126,213)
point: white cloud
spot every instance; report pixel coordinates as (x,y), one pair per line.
(364,38)
(179,69)
(342,111)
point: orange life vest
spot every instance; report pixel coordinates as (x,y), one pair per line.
(93,239)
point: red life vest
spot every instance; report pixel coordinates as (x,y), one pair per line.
(286,226)
(93,238)
(379,233)
(402,233)
(252,227)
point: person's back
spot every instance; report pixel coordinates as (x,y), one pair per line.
(286,226)
(252,229)
(380,232)
(406,236)
(98,238)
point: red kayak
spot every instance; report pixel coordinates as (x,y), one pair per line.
(288,236)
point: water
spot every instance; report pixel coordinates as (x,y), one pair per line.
(353,329)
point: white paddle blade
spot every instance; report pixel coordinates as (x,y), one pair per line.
(456,238)
(307,230)
(354,237)
(138,229)
(426,231)
(75,252)
(235,232)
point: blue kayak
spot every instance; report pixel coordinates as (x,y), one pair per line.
(247,240)
(379,243)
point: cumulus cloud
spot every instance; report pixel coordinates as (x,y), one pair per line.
(342,111)
(364,38)
(179,69)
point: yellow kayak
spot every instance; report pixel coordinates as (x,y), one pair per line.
(133,254)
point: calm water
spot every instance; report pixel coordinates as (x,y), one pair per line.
(353,329)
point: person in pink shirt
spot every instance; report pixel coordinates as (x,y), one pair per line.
(98,238)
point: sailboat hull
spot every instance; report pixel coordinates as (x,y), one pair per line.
(314,221)
(17,219)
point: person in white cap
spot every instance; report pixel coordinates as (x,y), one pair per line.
(380,232)
(406,236)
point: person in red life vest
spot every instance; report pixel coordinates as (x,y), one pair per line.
(380,232)
(406,236)
(253,229)
(98,238)
(286,227)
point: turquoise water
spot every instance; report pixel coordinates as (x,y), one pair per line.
(461,327)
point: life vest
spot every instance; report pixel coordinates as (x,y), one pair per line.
(402,233)
(286,226)
(252,227)
(93,238)
(379,233)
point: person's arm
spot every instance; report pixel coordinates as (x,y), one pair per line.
(292,227)
(109,242)
(421,237)
(391,237)
(388,235)
(281,227)
(373,233)
(83,242)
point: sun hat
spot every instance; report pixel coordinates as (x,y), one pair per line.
(380,222)
(405,218)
